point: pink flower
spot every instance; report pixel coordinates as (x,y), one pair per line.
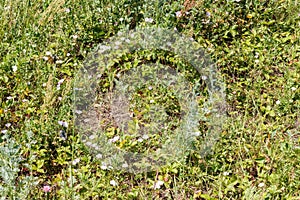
(178,14)
(46,188)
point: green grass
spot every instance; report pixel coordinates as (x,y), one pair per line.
(256,48)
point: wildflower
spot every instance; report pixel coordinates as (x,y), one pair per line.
(277,102)
(46,188)
(158,184)
(88,144)
(204,77)
(78,112)
(45,58)
(114,139)
(59,62)
(140,140)
(256,61)
(145,137)
(118,43)
(4,131)
(74,36)
(226,173)
(150,88)
(148,20)
(8,125)
(113,183)
(68,54)
(59,83)
(14,68)
(261,185)
(208,14)
(48,53)
(9,98)
(197,133)
(178,14)
(59,98)
(92,137)
(103,166)
(25,100)
(67,10)
(151,101)
(99,156)
(63,123)
(125,165)
(76,161)
(293,88)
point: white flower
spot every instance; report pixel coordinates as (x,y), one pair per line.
(99,156)
(226,173)
(25,100)
(78,112)
(14,68)
(113,183)
(149,20)
(145,137)
(77,160)
(48,53)
(9,98)
(256,61)
(45,58)
(67,10)
(8,125)
(151,101)
(293,88)
(158,184)
(178,14)
(59,98)
(61,81)
(104,167)
(92,137)
(121,19)
(140,140)
(44,84)
(125,165)
(62,123)
(114,139)
(118,43)
(4,131)
(204,77)
(197,133)
(277,102)
(59,62)
(261,185)
(150,88)
(68,54)
(74,37)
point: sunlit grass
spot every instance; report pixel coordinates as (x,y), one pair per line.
(255,46)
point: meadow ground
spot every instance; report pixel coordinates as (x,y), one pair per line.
(255,46)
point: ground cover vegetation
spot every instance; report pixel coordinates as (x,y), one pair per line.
(256,47)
